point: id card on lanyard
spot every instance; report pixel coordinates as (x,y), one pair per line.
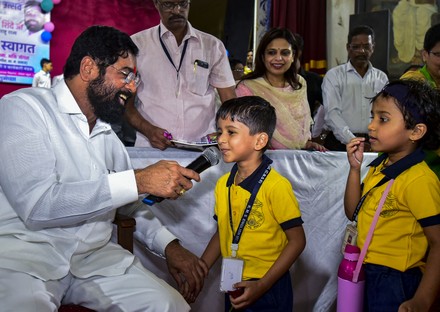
(351,232)
(232,267)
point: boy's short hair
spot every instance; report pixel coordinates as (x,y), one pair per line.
(253,111)
(44,61)
(418,102)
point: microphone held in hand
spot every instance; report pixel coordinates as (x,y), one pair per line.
(210,157)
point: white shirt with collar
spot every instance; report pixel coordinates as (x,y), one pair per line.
(346,99)
(183,103)
(57,198)
(42,80)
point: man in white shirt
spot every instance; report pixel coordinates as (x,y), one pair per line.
(63,174)
(42,78)
(348,88)
(180,66)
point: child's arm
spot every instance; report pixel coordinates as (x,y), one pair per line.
(255,289)
(429,287)
(355,150)
(212,250)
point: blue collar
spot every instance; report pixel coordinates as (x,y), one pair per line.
(397,168)
(249,183)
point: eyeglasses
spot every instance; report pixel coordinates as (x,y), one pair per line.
(170,6)
(436,54)
(129,77)
(238,70)
(361,47)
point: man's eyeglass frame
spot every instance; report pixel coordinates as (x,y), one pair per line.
(129,77)
(361,47)
(170,6)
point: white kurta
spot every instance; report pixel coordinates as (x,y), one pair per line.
(57,198)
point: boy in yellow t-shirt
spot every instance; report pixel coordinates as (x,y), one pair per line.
(259,221)
(406,238)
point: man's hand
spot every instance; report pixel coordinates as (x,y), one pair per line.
(165,178)
(187,269)
(154,134)
(157,138)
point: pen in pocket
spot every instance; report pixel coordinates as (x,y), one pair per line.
(201,64)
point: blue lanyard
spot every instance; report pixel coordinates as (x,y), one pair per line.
(185,45)
(246,212)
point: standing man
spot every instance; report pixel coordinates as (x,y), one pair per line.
(180,66)
(348,88)
(63,174)
(42,78)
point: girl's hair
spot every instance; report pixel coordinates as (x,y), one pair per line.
(291,74)
(253,111)
(418,102)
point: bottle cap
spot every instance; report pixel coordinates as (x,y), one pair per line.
(352,252)
(352,249)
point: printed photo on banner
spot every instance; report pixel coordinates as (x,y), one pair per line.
(24,41)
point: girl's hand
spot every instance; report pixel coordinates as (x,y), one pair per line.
(355,152)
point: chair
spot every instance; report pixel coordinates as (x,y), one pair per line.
(125,228)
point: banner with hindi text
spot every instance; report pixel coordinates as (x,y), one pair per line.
(21,47)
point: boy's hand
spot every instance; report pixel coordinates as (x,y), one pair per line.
(355,152)
(413,306)
(252,290)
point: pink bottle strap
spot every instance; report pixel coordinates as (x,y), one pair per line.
(370,232)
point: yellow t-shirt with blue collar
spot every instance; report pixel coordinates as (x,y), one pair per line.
(275,209)
(413,202)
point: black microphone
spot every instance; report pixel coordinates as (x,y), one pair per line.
(210,157)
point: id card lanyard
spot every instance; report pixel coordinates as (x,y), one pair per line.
(361,201)
(246,213)
(164,48)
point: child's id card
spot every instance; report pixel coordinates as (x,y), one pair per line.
(350,237)
(232,271)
